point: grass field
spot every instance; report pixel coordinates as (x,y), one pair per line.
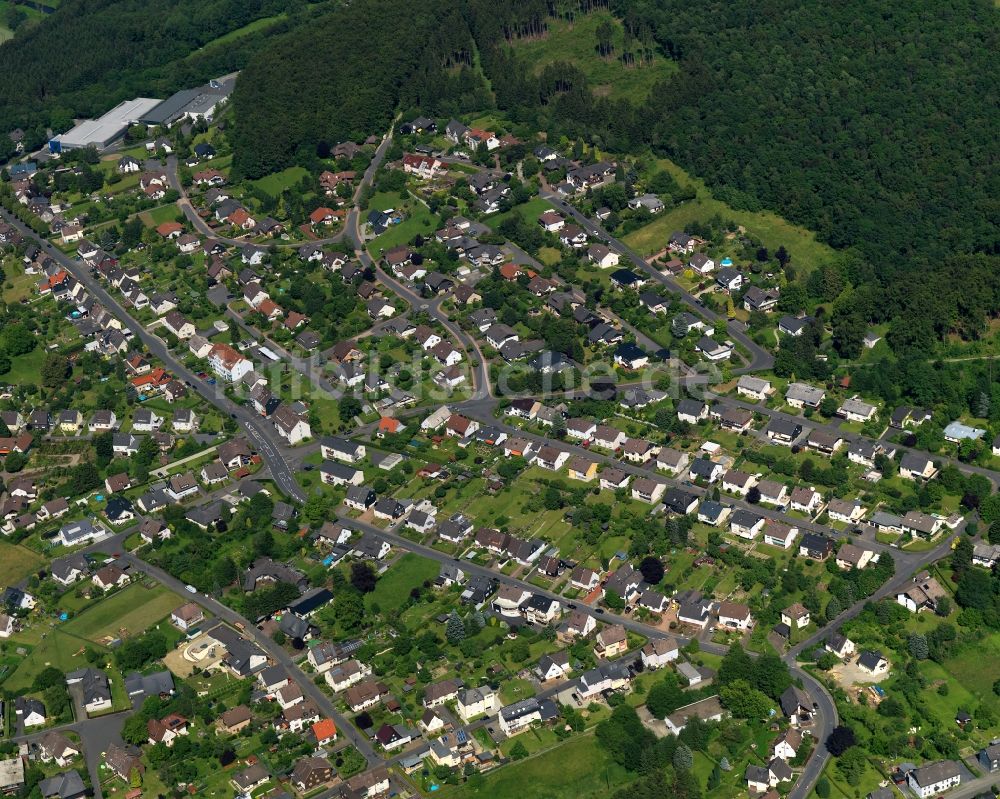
(58,649)
(17,562)
(159,215)
(770,228)
(32,14)
(279,181)
(393,587)
(17,285)
(256,25)
(577,769)
(134,608)
(26,369)
(529,211)
(419,219)
(967,669)
(576,43)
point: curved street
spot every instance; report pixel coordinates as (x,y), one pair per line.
(482,406)
(199,224)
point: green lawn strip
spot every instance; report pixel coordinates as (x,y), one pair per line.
(419,219)
(17,562)
(256,25)
(967,669)
(25,369)
(157,216)
(529,211)
(57,648)
(277,182)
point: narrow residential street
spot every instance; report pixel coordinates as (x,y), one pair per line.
(281,462)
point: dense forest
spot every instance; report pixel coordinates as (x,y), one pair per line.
(344,77)
(875,127)
(91,54)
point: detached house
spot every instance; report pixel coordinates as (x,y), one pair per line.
(796,616)
(923,594)
(659,652)
(754,387)
(734,616)
(611,642)
(647,489)
(914,466)
(290,426)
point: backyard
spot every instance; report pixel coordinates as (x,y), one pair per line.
(393,588)
(418,219)
(276,183)
(134,609)
(577,769)
(17,562)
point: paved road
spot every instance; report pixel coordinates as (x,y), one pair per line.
(825,707)
(599,614)
(760,358)
(96,735)
(275,652)
(828,711)
(199,224)
(835,428)
(482,411)
(432,307)
(263,435)
(482,406)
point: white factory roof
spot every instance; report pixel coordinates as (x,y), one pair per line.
(107,128)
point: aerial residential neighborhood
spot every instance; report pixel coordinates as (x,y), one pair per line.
(465,457)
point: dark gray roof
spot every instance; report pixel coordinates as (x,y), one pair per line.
(161,682)
(67,785)
(870,658)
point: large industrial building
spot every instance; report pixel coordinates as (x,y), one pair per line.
(104,130)
(192,104)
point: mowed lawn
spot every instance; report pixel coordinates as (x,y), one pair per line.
(134,608)
(529,211)
(393,587)
(58,649)
(276,183)
(17,562)
(577,769)
(159,215)
(807,252)
(419,219)
(576,42)
(26,369)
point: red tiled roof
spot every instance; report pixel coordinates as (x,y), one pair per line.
(167,228)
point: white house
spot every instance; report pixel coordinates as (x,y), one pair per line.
(796,616)
(935,778)
(754,387)
(659,652)
(290,426)
(228,364)
(734,616)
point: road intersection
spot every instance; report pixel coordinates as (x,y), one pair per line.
(483,406)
